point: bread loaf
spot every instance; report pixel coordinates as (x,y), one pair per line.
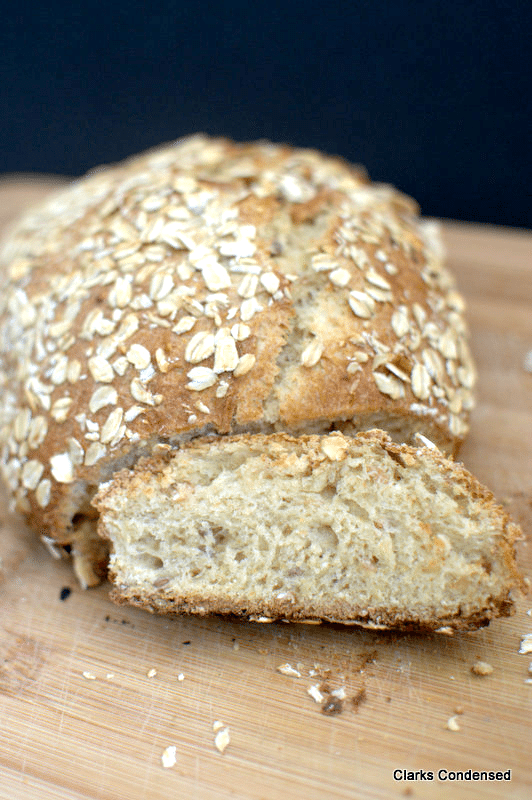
(212,288)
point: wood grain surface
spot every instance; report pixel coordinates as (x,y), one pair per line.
(92,694)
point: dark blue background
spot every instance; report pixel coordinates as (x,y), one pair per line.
(431,96)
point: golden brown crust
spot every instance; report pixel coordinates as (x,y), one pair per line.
(214,287)
(371,617)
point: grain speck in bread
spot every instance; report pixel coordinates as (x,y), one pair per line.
(348,529)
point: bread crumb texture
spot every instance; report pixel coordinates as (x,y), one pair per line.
(349,529)
(214,287)
(482,668)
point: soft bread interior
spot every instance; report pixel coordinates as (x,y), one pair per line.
(327,527)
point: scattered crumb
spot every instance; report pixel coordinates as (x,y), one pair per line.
(180,677)
(151,673)
(332,705)
(236,647)
(109,676)
(452,724)
(339,693)
(367,658)
(168,756)
(89,676)
(65,592)
(287,669)
(217,725)
(314,692)
(526,643)
(222,739)
(528,680)
(482,668)
(359,698)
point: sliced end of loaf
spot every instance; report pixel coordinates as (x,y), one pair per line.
(347,529)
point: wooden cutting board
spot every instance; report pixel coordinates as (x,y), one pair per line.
(92,694)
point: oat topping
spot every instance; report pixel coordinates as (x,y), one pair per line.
(201,378)
(200,347)
(101,397)
(361,304)
(62,468)
(312,353)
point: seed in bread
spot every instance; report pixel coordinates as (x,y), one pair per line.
(347,529)
(213,287)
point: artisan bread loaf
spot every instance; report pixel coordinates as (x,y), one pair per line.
(209,287)
(346,529)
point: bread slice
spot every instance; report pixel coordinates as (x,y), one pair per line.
(355,530)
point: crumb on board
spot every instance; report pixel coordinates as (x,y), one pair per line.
(359,698)
(288,669)
(481,668)
(88,675)
(222,738)
(452,724)
(339,693)
(526,644)
(151,673)
(314,692)
(168,757)
(181,677)
(332,705)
